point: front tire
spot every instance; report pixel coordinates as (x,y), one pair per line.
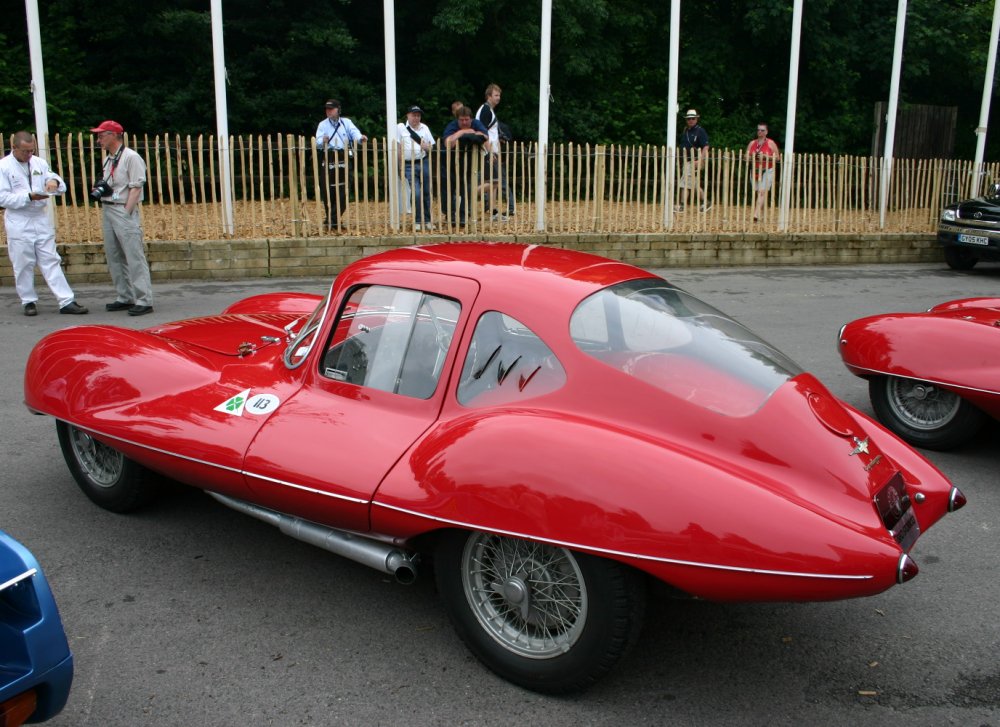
(106,476)
(543,617)
(958,258)
(924,414)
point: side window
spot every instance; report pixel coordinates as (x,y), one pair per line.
(507,363)
(392,339)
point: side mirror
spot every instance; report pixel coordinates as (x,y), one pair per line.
(993,191)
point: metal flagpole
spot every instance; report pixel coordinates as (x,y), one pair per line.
(37,79)
(222,117)
(984,112)
(543,115)
(669,163)
(389,32)
(890,121)
(788,165)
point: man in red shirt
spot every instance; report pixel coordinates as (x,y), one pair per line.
(763,152)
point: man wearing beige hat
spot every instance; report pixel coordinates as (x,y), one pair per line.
(693,146)
(120,193)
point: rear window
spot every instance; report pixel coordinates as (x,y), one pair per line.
(660,334)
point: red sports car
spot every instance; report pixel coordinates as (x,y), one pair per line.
(550,427)
(934,377)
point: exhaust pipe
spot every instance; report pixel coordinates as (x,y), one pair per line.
(372,553)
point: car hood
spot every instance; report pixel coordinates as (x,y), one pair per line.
(229,335)
(979,209)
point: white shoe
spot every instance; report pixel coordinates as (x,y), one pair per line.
(429,226)
(416,227)
(706,207)
(499,217)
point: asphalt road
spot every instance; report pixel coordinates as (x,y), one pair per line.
(189,613)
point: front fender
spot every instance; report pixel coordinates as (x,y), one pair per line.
(78,372)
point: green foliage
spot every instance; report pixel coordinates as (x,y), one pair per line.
(149,65)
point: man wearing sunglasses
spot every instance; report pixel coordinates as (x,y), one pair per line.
(763,152)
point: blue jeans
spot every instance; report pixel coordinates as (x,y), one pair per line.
(418,176)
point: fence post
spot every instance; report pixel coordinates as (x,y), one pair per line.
(293,188)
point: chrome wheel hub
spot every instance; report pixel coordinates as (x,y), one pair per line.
(922,405)
(531,598)
(102,464)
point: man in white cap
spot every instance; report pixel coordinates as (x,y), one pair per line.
(693,146)
(123,175)
(415,141)
(26,183)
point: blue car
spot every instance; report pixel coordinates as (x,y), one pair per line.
(36,666)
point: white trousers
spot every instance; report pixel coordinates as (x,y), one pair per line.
(31,243)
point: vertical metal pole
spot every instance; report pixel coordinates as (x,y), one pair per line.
(543,115)
(788,164)
(222,117)
(669,163)
(890,122)
(984,111)
(391,167)
(37,78)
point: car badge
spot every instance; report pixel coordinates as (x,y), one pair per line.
(860,447)
(978,215)
(874,461)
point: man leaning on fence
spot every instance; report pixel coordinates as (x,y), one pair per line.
(415,142)
(26,183)
(693,147)
(120,192)
(336,137)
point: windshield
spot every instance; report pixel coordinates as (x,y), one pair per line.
(656,332)
(301,336)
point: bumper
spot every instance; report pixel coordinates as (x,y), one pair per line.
(983,243)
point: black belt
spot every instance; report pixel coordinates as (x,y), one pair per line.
(120,204)
(411,161)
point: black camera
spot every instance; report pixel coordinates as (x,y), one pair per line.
(101,189)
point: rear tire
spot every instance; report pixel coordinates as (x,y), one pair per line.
(106,476)
(543,617)
(923,414)
(958,258)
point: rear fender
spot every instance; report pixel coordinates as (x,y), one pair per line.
(674,512)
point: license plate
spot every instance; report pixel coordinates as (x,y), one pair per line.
(973,239)
(896,510)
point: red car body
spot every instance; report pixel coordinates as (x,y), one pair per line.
(553,443)
(934,376)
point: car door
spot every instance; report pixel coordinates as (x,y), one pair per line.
(376,382)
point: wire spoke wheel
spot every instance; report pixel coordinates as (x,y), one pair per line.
(920,404)
(924,414)
(531,598)
(102,464)
(547,618)
(106,476)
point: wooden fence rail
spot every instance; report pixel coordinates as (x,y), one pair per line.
(280,188)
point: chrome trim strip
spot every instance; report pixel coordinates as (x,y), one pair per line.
(17,579)
(929,381)
(334,495)
(638,556)
(160,451)
(237,470)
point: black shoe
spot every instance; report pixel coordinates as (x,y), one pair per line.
(140,310)
(30,309)
(73,308)
(118,305)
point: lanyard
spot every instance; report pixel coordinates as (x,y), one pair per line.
(336,130)
(114,163)
(26,168)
